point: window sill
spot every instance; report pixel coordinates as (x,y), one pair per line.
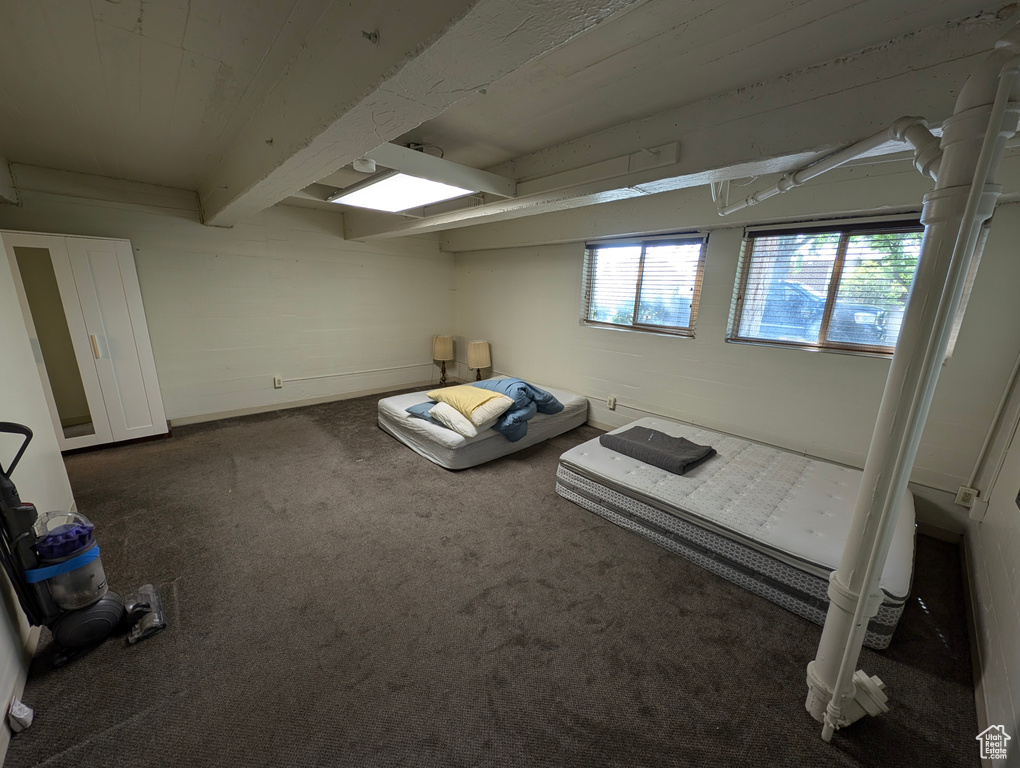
(650,330)
(805,348)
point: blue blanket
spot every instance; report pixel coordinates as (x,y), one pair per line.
(528,400)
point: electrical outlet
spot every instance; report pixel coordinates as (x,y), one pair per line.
(965,496)
(611,402)
(278,382)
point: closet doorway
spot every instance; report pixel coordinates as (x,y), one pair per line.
(84,314)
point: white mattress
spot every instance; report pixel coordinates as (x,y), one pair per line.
(788,506)
(453,451)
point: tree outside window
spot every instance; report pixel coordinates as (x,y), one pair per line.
(830,288)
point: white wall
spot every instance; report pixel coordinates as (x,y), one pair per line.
(280,294)
(40,476)
(526,301)
(993,555)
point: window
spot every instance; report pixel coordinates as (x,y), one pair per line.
(650,284)
(826,288)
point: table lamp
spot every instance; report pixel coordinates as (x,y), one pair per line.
(442,350)
(478,357)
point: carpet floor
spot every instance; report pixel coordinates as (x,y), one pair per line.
(334,599)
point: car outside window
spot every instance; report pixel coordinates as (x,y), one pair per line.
(826,288)
(651,284)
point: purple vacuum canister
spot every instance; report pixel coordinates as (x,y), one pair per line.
(69,556)
(65,540)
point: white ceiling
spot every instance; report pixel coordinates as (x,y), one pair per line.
(666,54)
(140,90)
(160,90)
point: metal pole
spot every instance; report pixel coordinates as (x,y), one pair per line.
(972,144)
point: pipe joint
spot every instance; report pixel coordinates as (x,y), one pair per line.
(898,130)
(928,158)
(864,696)
(970,125)
(927,152)
(788,182)
(819,693)
(947,204)
(847,599)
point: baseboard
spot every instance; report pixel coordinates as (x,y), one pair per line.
(269,407)
(970,600)
(134,441)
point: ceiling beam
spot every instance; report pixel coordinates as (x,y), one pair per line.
(764,128)
(415,163)
(411,71)
(87,186)
(881,187)
(889,186)
(8,190)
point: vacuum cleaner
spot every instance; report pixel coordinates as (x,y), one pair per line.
(52,560)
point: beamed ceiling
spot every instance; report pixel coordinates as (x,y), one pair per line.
(255,103)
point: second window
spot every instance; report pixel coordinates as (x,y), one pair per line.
(826,288)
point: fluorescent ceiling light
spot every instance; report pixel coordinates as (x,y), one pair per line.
(398,192)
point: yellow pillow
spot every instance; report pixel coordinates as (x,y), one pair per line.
(464,398)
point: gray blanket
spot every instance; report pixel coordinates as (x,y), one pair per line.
(674,454)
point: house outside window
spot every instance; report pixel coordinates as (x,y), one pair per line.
(827,288)
(649,284)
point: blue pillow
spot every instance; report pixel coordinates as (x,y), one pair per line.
(421,410)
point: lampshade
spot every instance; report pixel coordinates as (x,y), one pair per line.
(478,354)
(442,347)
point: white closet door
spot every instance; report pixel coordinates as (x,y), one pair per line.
(46,256)
(111,304)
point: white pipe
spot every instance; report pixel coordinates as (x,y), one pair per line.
(935,350)
(971,150)
(1002,458)
(720,192)
(995,423)
(906,129)
(795,179)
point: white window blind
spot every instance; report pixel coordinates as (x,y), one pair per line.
(652,284)
(827,288)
